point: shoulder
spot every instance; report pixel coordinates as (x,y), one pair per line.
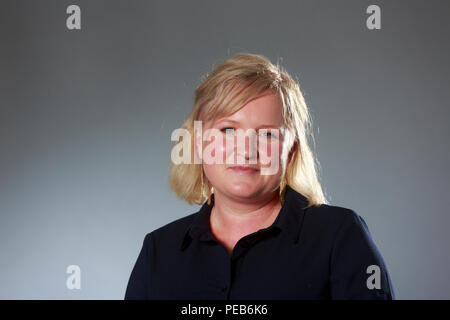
(325,223)
(347,245)
(173,231)
(331,216)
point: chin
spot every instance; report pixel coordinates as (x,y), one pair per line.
(242,189)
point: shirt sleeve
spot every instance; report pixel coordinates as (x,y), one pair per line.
(358,270)
(138,283)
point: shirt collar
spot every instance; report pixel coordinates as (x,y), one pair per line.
(289,219)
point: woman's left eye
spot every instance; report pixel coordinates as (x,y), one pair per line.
(269,134)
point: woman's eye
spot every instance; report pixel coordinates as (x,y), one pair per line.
(227,130)
(269,134)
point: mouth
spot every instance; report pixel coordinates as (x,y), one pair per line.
(244,169)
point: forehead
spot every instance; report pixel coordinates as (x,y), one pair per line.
(265,109)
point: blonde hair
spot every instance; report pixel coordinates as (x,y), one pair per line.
(226,89)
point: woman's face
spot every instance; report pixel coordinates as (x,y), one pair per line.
(249,170)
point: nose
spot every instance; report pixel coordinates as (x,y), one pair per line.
(246,149)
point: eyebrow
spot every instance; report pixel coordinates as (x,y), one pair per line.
(261,126)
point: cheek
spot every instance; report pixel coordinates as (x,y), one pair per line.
(213,159)
(214,151)
(270,151)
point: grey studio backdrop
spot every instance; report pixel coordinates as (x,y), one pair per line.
(86,117)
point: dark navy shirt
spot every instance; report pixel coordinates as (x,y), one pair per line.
(322,252)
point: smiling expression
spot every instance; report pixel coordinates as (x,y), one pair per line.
(241,174)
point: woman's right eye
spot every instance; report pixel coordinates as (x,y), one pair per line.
(227,130)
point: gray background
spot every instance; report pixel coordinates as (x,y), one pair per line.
(86,118)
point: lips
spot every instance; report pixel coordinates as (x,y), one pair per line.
(244,169)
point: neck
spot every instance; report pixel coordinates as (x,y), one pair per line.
(237,219)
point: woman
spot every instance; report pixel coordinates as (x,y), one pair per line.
(265,230)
